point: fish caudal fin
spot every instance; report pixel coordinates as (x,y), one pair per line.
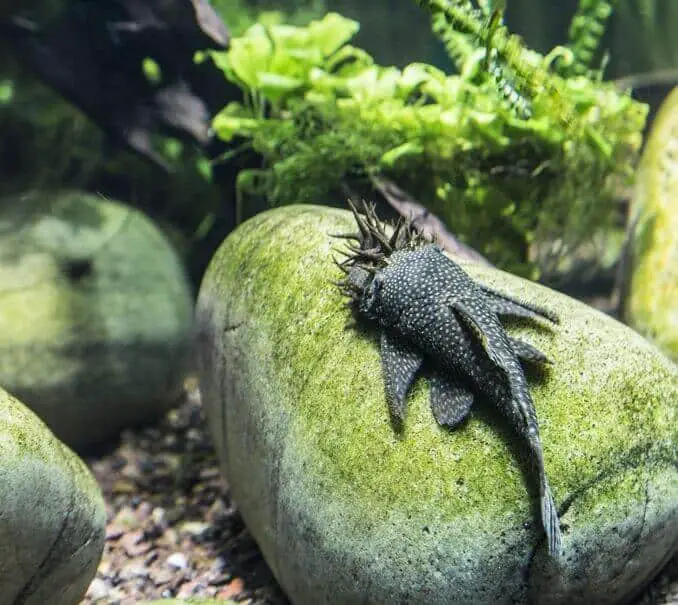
(549,516)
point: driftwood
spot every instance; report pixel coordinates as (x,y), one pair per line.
(407,207)
(92,55)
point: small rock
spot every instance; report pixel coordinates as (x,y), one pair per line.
(233,589)
(123,486)
(171,537)
(117,596)
(216,576)
(113,532)
(177,560)
(192,588)
(98,590)
(217,511)
(144,510)
(133,570)
(126,518)
(105,568)
(134,543)
(151,558)
(209,473)
(194,528)
(161,576)
(159,516)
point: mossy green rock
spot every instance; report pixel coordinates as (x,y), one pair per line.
(346,511)
(651,305)
(52,515)
(95,314)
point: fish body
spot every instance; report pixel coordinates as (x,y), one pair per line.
(429,311)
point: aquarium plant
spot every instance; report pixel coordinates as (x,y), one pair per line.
(521,154)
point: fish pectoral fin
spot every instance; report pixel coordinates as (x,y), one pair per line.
(400,362)
(526,352)
(483,329)
(450,401)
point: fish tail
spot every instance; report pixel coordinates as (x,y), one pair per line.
(549,516)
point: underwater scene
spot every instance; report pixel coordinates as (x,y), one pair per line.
(333,302)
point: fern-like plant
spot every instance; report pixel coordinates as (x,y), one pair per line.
(586,31)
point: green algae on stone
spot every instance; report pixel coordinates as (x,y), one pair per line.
(95,313)
(652,300)
(346,510)
(52,514)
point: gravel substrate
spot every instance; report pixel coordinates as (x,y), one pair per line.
(173,530)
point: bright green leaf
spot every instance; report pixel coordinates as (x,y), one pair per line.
(331,32)
(151,70)
(173,148)
(233,121)
(6,91)
(275,86)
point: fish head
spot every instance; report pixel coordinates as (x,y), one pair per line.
(365,286)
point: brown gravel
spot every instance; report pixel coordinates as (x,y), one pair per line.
(173,530)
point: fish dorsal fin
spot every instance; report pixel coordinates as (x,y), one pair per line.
(485,327)
(488,333)
(400,362)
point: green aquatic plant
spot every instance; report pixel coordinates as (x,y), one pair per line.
(460,27)
(586,31)
(511,152)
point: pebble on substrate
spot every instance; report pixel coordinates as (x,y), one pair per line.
(177,560)
(98,590)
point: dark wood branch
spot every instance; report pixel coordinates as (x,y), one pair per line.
(407,207)
(92,54)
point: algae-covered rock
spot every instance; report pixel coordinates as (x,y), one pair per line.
(347,511)
(651,304)
(52,515)
(95,314)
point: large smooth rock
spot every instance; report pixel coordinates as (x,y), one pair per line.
(346,511)
(95,314)
(651,304)
(52,515)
